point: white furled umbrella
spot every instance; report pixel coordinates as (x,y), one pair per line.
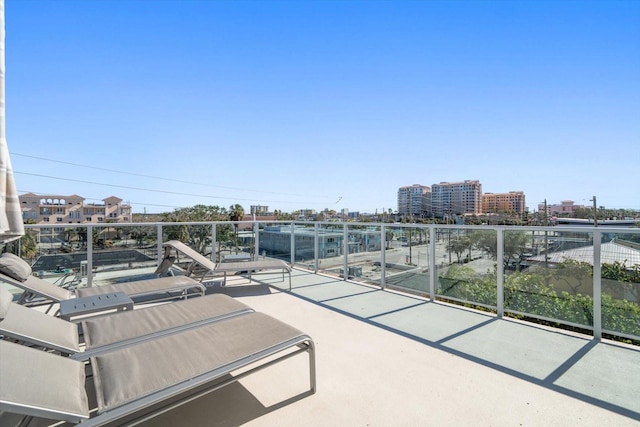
(11,226)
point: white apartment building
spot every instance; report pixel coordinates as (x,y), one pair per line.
(259,210)
(414,200)
(456,198)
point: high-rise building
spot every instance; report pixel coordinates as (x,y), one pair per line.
(450,199)
(414,200)
(259,210)
(512,202)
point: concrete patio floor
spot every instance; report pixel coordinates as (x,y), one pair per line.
(389,359)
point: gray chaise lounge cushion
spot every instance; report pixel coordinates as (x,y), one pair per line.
(40,395)
(194,352)
(144,287)
(5,302)
(105,330)
(35,327)
(113,330)
(14,267)
(43,287)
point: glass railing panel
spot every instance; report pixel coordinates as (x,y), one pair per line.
(275,241)
(466,265)
(330,248)
(364,243)
(549,275)
(620,258)
(122,253)
(407,258)
(234,241)
(246,241)
(304,244)
(56,254)
(197,237)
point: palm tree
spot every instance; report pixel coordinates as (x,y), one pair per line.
(236,213)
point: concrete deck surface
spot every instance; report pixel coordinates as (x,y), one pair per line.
(388,359)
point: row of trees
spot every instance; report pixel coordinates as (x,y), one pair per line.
(604,213)
(460,242)
(197,236)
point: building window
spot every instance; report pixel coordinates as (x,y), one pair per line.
(59,219)
(100,219)
(45,219)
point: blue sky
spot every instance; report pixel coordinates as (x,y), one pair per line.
(299,104)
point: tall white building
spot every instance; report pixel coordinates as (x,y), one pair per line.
(414,200)
(456,198)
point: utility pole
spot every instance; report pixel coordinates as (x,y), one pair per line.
(595,212)
(546,235)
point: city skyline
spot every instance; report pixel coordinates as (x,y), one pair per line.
(314,105)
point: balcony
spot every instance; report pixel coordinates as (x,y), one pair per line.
(409,333)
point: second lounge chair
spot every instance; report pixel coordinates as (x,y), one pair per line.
(112,331)
(17,272)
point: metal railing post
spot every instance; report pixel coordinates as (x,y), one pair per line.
(500,272)
(345,250)
(432,263)
(158,243)
(214,244)
(597,285)
(383,255)
(293,243)
(89,255)
(316,246)
(256,240)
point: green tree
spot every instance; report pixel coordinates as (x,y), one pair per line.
(458,245)
(236,213)
(70,234)
(388,238)
(197,236)
(143,235)
(516,244)
(27,245)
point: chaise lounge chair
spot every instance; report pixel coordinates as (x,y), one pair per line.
(17,272)
(211,268)
(109,332)
(130,386)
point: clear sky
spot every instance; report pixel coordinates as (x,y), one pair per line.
(323,104)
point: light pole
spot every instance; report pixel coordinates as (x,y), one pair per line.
(595,212)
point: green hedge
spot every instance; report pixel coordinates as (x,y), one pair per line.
(534,293)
